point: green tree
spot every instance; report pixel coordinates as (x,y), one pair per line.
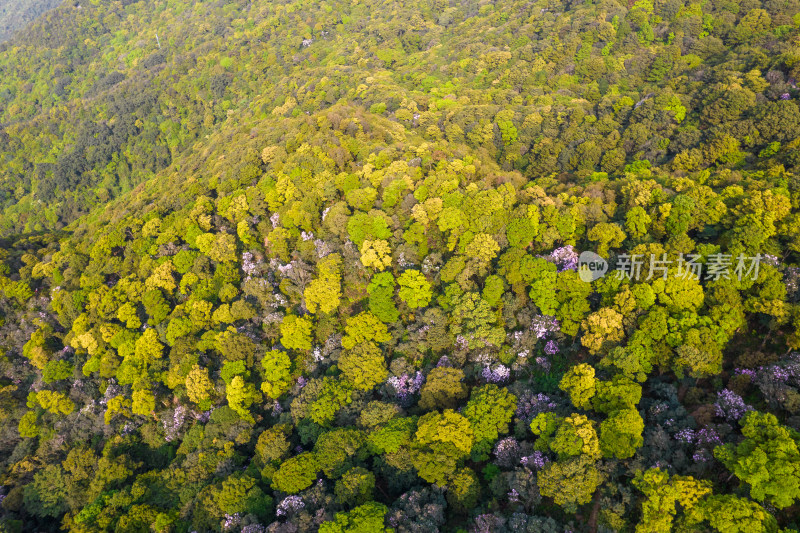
(483,247)
(27,425)
(579,382)
(606,235)
(543,285)
(277,373)
(46,496)
(336,449)
(619,393)
(296,473)
(155,306)
(474,319)
(637,222)
(128,315)
(573,305)
(493,290)
(602,328)
(621,433)
(381,294)
(322,294)
(415,290)
(767,460)
(442,440)
(364,366)
(464,490)
(364,327)
(575,436)
(56,371)
(220,247)
(755,22)
(162,277)
(272,445)
(241,395)
(489,411)
(732,514)
(355,487)
(240,494)
(570,483)
(296,332)
(367,518)
(148,348)
(390,436)
(663,493)
(632,362)
(444,388)
(521,232)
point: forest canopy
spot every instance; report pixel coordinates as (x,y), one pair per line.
(316,266)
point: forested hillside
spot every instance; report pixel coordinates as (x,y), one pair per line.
(313,266)
(16,14)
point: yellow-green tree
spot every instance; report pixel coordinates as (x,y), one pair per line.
(663,493)
(296,332)
(443,388)
(296,473)
(570,483)
(277,373)
(364,365)
(441,441)
(606,235)
(241,395)
(322,294)
(199,386)
(621,433)
(376,255)
(483,247)
(144,403)
(364,327)
(579,382)
(489,411)
(415,290)
(602,328)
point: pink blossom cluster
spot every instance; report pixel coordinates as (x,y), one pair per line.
(172,425)
(543,325)
(685,435)
(537,460)
(529,405)
(565,258)
(406,386)
(551,348)
(508,452)
(730,405)
(289,506)
(707,436)
(496,374)
(249,266)
(231,521)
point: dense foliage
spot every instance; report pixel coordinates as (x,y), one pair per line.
(313,266)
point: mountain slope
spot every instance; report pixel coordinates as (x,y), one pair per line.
(313,267)
(136,106)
